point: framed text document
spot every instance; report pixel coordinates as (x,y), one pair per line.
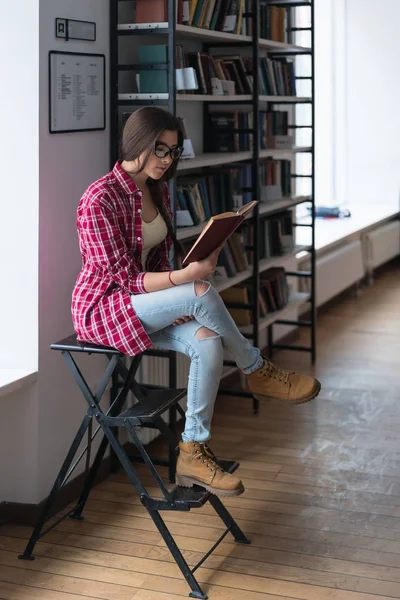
(77,92)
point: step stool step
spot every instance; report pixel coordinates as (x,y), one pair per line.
(149,407)
(186,498)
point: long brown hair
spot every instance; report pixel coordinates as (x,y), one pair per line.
(141,131)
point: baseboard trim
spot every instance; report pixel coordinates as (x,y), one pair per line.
(14,513)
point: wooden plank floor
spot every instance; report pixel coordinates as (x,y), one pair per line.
(322,500)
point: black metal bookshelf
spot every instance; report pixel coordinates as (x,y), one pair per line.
(214,39)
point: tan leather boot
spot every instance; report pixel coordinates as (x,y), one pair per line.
(272,383)
(195,467)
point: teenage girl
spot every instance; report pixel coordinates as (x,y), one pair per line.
(127,297)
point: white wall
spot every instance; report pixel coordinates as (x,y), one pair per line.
(19,152)
(19,160)
(373,91)
(38,423)
(68,164)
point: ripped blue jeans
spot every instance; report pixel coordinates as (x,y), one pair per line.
(158,310)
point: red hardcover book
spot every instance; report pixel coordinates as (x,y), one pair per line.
(151,11)
(216,233)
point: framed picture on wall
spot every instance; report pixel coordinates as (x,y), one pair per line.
(77,92)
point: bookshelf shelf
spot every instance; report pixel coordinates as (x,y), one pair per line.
(264,264)
(296,300)
(206,35)
(209,35)
(273,46)
(269,208)
(278,153)
(286,99)
(209,98)
(291,3)
(210,159)
(136,98)
(265,209)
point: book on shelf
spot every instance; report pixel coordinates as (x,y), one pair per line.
(273,296)
(217,231)
(275,133)
(274,287)
(238,294)
(274,23)
(276,179)
(150,81)
(231,71)
(221,190)
(243,293)
(229,130)
(277,77)
(217,15)
(150,11)
(276,236)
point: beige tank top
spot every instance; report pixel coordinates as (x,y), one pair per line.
(153,233)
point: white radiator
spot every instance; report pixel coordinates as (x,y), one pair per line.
(336,271)
(381,245)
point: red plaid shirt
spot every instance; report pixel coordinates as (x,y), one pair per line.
(110,239)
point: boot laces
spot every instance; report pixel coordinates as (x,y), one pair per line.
(271,370)
(204,454)
(209,453)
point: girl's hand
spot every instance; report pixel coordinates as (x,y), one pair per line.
(203,268)
(183,320)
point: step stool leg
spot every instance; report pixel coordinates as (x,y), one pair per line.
(27,555)
(170,435)
(229,521)
(172,381)
(89,479)
(171,450)
(196,592)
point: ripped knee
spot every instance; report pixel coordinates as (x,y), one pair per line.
(201,287)
(204,333)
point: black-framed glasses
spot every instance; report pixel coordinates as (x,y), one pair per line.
(162,150)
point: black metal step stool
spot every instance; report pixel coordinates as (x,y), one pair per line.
(146,412)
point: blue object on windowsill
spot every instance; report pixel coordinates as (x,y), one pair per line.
(331,212)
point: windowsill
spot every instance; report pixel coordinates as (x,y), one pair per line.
(14,379)
(329,232)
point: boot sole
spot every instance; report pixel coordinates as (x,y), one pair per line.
(302,401)
(188,482)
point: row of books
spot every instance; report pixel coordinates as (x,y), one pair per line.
(276,236)
(274,23)
(276,239)
(233,68)
(218,15)
(273,296)
(275,173)
(229,130)
(277,77)
(211,194)
(229,188)
(273,123)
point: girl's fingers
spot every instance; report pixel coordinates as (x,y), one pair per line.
(182,320)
